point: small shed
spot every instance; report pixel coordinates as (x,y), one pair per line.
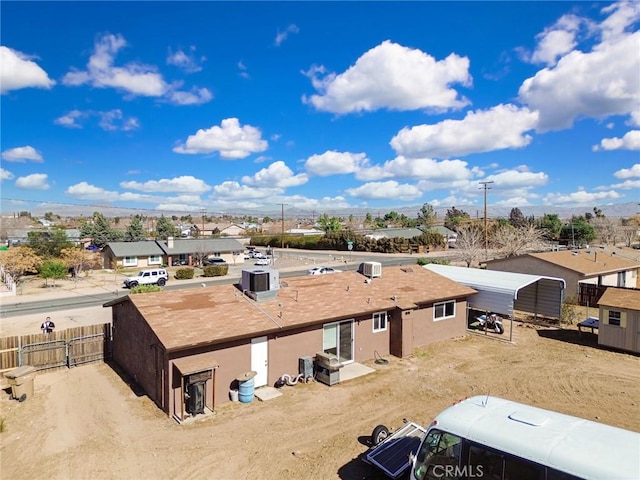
(619,319)
(504,292)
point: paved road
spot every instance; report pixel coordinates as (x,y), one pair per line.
(14,306)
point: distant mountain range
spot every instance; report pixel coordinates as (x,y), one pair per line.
(619,210)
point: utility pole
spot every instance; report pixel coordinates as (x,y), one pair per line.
(202,212)
(282,237)
(485,186)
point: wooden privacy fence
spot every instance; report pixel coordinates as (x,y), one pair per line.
(589,294)
(64,348)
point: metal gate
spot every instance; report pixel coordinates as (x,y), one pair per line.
(44,354)
(64,353)
(89,348)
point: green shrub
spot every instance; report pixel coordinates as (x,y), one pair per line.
(437,261)
(185,273)
(215,270)
(145,289)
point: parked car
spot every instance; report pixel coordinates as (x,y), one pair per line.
(154,276)
(248,256)
(322,271)
(257,254)
(263,261)
(178,262)
(213,261)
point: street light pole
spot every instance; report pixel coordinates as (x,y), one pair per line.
(485,186)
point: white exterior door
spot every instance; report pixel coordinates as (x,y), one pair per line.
(260,360)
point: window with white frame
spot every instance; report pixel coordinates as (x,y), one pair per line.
(379,322)
(155,260)
(130,261)
(614,318)
(444,310)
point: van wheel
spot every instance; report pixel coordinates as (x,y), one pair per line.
(380,433)
(161,282)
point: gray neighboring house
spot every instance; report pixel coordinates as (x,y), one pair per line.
(146,253)
(153,253)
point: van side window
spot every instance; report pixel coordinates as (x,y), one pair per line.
(519,469)
(489,462)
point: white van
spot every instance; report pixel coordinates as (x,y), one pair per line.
(154,276)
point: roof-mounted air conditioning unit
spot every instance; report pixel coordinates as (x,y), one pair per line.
(372,269)
(260,284)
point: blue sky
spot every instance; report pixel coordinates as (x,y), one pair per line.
(216,106)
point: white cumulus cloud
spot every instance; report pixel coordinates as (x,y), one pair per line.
(6,175)
(185,61)
(234,190)
(133,78)
(333,162)
(276,175)
(394,77)
(22,154)
(438,172)
(595,84)
(186,183)
(581,197)
(231,140)
(624,173)
(630,141)
(20,71)
(389,190)
(501,127)
(556,41)
(35,181)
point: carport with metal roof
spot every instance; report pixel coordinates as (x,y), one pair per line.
(503,292)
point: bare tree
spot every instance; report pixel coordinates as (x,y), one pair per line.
(80,259)
(628,234)
(469,243)
(606,229)
(510,241)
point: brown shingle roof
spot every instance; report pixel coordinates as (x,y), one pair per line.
(621,298)
(588,262)
(207,315)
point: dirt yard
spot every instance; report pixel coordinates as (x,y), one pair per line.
(88,423)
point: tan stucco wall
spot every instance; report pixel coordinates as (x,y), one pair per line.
(427,331)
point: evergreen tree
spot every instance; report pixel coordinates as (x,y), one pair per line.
(135,231)
(165,229)
(455,218)
(426,217)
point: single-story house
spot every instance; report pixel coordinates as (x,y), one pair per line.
(149,253)
(619,319)
(503,292)
(233,230)
(190,250)
(146,253)
(585,271)
(170,341)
